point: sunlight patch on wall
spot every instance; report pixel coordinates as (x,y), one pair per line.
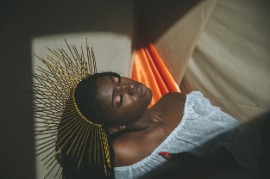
(112,53)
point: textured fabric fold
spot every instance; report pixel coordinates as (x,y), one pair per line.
(203,129)
(150,70)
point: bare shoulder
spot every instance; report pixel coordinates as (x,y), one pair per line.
(175,95)
(131,147)
(170,100)
(128,149)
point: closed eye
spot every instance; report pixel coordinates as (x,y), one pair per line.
(117,97)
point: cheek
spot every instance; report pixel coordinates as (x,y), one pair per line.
(129,101)
(134,106)
(132,103)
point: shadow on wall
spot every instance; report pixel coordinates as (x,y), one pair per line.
(158,15)
(21,21)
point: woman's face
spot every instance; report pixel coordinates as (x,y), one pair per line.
(122,100)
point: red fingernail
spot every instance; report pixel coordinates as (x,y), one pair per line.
(164,154)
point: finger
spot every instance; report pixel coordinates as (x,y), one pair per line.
(177,156)
(166,155)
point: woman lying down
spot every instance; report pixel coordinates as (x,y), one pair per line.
(108,131)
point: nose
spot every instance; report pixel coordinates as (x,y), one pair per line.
(127,88)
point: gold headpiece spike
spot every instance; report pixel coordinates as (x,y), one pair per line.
(75,59)
(82,60)
(61,128)
(70,66)
(57,172)
(76,140)
(88,53)
(58,76)
(91,143)
(86,138)
(63,68)
(68,136)
(94,60)
(79,143)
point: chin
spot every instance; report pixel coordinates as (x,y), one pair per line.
(150,95)
(149,92)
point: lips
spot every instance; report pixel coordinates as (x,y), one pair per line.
(141,90)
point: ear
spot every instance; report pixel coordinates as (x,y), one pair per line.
(116,129)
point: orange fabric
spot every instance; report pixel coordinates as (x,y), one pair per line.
(150,70)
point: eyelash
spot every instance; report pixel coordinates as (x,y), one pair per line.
(118,94)
(119,101)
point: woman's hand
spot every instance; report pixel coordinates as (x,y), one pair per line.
(183,156)
(201,167)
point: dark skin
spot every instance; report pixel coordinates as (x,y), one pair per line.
(150,124)
(136,125)
(157,125)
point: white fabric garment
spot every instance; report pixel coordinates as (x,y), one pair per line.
(202,128)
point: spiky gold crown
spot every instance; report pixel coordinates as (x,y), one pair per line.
(55,104)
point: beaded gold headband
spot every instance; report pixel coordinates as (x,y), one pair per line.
(55,103)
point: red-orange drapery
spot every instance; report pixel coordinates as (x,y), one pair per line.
(150,70)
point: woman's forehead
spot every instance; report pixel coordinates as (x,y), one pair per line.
(104,89)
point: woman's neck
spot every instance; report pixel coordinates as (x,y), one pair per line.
(148,131)
(146,121)
(160,113)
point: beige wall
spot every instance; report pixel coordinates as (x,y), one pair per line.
(231,61)
(175,27)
